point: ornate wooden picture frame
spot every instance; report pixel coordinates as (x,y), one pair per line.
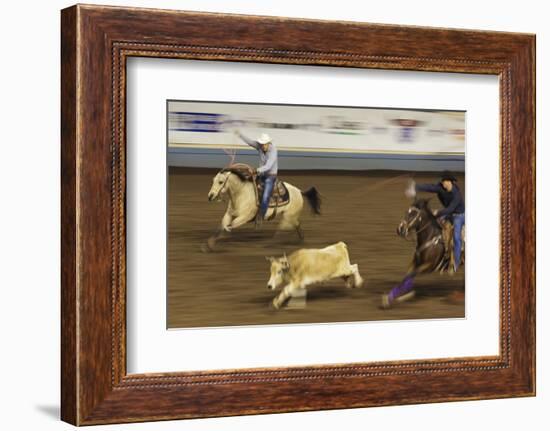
(96,42)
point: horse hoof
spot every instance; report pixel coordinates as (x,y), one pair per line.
(208,246)
(406,297)
(211,244)
(386,304)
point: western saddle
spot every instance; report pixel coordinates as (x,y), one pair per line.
(279,196)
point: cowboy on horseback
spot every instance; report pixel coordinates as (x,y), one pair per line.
(453,209)
(267,171)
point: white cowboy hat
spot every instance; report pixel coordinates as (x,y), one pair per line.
(264,139)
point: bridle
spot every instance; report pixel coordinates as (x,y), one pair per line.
(411,223)
(221,191)
(428,244)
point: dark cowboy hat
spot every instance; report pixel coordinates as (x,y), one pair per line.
(447,176)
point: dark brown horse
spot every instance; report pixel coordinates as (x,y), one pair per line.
(429,254)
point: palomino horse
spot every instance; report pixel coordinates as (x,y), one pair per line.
(238,189)
(429,254)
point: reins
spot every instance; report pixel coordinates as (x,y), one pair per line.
(418,217)
(222,188)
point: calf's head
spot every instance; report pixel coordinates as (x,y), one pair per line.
(279,271)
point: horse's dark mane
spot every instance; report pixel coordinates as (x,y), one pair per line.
(423,205)
(236,172)
(239,171)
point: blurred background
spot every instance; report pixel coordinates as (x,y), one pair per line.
(317,137)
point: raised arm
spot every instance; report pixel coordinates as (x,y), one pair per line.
(429,188)
(248,141)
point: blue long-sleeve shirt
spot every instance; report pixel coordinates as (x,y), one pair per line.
(452,201)
(268,160)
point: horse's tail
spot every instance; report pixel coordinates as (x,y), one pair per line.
(314,199)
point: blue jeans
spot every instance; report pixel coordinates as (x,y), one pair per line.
(269,182)
(458,222)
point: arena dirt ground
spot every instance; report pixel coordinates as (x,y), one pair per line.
(228,286)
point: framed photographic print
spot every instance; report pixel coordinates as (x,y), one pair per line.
(273,221)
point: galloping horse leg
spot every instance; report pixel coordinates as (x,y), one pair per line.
(402,289)
(238,221)
(287,226)
(221,233)
(211,242)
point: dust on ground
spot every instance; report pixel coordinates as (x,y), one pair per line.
(228,287)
